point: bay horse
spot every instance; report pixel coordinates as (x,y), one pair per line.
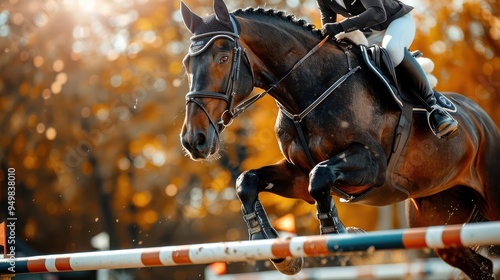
(336,129)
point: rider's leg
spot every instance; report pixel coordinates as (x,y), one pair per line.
(410,72)
(398,37)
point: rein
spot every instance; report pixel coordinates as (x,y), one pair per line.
(249,101)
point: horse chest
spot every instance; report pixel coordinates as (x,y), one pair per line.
(294,150)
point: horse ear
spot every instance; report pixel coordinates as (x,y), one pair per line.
(191,20)
(221,12)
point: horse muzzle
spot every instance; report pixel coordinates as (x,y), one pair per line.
(200,140)
(200,144)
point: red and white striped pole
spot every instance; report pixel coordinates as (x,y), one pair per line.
(487,233)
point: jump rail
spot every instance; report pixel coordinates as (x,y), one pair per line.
(236,251)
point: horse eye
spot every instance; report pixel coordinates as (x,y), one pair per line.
(223,59)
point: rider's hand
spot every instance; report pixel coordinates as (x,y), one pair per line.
(331,29)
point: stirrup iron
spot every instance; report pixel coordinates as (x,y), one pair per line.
(449,131)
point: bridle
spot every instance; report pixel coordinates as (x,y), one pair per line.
(228,96)
(232,111)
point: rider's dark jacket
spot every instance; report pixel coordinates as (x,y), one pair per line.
(363,14)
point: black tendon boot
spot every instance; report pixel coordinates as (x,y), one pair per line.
(411,74)
(330,222)
(259,227)
(258,224)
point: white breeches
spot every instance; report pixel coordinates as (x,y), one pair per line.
(396,37)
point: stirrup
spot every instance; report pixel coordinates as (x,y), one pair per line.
(449,131)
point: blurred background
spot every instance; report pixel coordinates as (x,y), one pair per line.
(91,106)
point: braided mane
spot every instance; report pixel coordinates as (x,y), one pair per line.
(279,15)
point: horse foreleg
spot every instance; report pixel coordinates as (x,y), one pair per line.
(355,167)
(282,179)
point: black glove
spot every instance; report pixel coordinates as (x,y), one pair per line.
(331,29)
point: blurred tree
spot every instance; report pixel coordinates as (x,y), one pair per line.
(91,105)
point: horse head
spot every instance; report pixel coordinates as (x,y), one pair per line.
(217,79)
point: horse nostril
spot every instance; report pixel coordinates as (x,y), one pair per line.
(200,141)
(195,143)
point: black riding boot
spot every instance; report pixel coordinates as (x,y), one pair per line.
(410,73)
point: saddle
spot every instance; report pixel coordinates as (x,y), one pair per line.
(379,62)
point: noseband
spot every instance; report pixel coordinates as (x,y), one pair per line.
(228,96)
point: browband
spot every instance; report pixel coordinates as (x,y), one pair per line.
(199,43)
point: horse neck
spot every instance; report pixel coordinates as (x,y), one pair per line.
(273,49)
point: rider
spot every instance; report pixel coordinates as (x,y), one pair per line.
(391,26)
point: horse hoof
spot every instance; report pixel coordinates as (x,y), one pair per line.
(354,230)
(289,266)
